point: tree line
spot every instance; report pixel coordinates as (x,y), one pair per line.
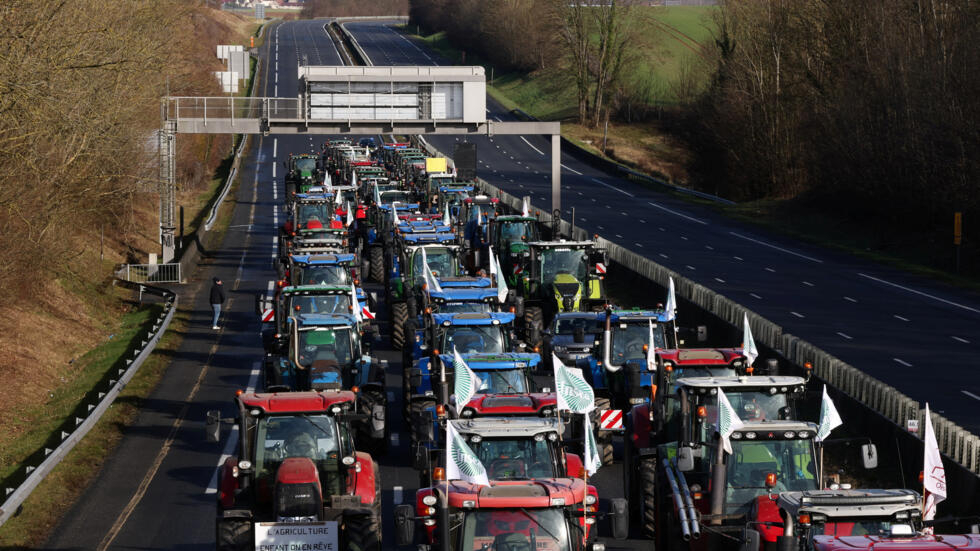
(351,8)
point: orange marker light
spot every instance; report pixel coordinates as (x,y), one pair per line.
(702,412)
(439,473)
(804,519)
(770,480)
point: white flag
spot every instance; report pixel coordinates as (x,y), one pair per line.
(671,305)
(525,208)
(933,472)
(428,277)
(493,267)
(651,351)
(356,306)
(350,215)
(829,418)
(394,217)
(377,195)
(466,383)
(461,462)
(445,216)
(502,289)
(479,216)
(592,459)
(574,394)
(748,343)
(338,197)
(728,421)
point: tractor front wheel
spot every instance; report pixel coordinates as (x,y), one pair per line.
(377,264)
(399,315)
(533,324)
(234,535)
(647,475)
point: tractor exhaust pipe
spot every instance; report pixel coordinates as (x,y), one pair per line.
(607,344)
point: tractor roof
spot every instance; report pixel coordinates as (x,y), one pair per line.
(700,356)
(485,361)
(508,494)
(498,427)
(523,405)
(745,383)
(837,504)
(470,294)
(778,430)
(561,244)
(456,188)
(316,290)
(322,259)
(635,316)
(323,320)
(296,402)
(464,281)
(428,236)
(473,318)
(515,218)
(313,198)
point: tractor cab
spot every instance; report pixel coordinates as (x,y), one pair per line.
(471,333)
(303,299)
(308,211)
(572,336)
(296,463)
(324,353)
(302,172)
(322,269)
(451,197)
(509,235)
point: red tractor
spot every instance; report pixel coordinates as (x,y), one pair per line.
(515,515)
(297,477)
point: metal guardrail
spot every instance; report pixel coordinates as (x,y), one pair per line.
(955,442)
(150,273)
(76,429)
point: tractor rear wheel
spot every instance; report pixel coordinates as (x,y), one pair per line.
(234,535)
(363,532)
(647,475)
(377,267)
(533,323)
(369,399)
(604,442)
(399,315)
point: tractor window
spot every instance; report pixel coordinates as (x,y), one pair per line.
(628,343)
(515,458)
(750,407)
(567,326)
(515,530)
(518,231)
(463,307)
(321,275)
(563,261)
(306,164)
(502,381)
(311,436)
(792,461)
(441,262)
(473,339)
(389,197)
(324,345)
(307,213)
(486,211)
(863,527)
(321,304)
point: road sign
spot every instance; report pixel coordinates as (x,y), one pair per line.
(600,268)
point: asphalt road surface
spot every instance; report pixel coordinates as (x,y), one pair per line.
(157,490)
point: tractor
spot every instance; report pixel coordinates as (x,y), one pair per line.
(302,172)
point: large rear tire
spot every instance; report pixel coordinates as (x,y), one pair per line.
(604,442)
(646,474)
(234,535)
(533,324)
(377,264)
(363,532)
(399,315)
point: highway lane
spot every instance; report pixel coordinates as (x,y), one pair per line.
(892,325)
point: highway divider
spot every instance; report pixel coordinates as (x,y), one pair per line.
(91,409)
(876,409)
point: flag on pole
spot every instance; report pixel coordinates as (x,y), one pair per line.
(445,216)
(377,194)
(592,459)
(394,217)
(728,421)
(525,208)
(350,215)
(829,418)
(479,216)
(933,472)
(493,267)
(748,343)
(466,383)
(338,198)
(502,289)
(428,277)
(671,305)
(461,462)
(356,305)
(574,394)
(651,351)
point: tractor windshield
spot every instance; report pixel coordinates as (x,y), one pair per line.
(321,275)
(514,529)
(312,436)
(320,344)
(859,526)
(458,307)
(313,212)
(389,197)
(501,381)
(515,458)
(751,406)
(306,164)
(628,340)
(568,326)
(320,304)
(441,261)
(563,261)
(518,230)
(474,339)
(791,461)
(486,211)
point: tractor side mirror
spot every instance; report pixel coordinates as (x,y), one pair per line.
(404,525)
(212,426)
(685,459)
(869,456)
(620,521)
(702,333)
(750,540)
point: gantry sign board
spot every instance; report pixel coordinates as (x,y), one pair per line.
(418,94)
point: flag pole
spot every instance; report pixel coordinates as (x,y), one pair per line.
(585,479)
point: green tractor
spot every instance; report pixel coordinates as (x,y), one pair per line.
(303,172)
(510,235)
(556,276)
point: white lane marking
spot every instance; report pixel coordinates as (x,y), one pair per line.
(961,339)
(684,238)
(275,240)
(233,434)
(768,269)
(898,317)
(970,394)
(277,77)
(497,119)
(619,236)
(275,147)
(531,146)
(638,245)
(397,491)
(771,246)
(642,221)
(848,337)
(601,228)
(273,170)
(571,170)
(598,181)
(692,219)
(709,247)
(663,229)
(737,258)
(808,284)
(719,280)
(753,295)
(689,267)
(849,299)
(276,92)
(903,362)
(277,65)
(272,284)
(797,314)
(394,439)
(662,255)
(927,295)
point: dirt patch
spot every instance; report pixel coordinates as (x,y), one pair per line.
(642,146)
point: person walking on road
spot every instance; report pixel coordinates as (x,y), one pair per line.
(217,299)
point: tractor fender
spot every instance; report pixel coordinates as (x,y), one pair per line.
(766,514)
(228,483)
(639,426)
(364,481)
